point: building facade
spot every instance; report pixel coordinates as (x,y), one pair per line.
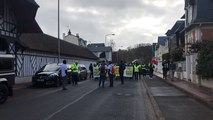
(101,51)
(161,48)
(38,49)
(75,39)
(199,27)
(21,36)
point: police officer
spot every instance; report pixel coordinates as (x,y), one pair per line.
(74,69)
(143,67)
(136,70)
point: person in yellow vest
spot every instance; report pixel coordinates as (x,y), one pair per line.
(136,70)
(96,71)
(143,67)
(74,69)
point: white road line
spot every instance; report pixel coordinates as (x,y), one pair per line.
(58,111)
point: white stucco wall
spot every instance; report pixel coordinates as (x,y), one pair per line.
(71,39)
(158,54)
(208,83)
(30,62)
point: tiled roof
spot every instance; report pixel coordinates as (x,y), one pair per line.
(202,10)
(162,40)
(25,12)
(96,45)
(99,47)
(43,42)
(176,27)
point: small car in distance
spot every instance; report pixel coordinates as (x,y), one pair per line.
(82,72)
(47,75)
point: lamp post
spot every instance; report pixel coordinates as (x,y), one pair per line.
(59,32)
(106,37)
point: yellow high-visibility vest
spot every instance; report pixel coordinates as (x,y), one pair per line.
(136,68)
(74,68)
(143,66)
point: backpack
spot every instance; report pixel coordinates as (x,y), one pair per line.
(102,70)
(113,70)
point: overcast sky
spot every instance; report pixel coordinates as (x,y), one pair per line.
(132,21)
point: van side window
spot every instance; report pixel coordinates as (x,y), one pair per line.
(6,65)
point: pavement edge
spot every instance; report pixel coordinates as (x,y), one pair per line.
(158,113)
(205,102)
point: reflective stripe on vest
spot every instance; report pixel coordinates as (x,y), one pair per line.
(143,66)
(74,68)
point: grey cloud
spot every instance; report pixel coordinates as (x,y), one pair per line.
(115,4)
(112,15)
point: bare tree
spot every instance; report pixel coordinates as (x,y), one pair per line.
(143,52)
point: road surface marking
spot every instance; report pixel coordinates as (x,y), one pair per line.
(58,111)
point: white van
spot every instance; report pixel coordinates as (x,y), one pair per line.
(7,76)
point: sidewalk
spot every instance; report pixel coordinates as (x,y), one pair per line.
(201,93)
(22,82)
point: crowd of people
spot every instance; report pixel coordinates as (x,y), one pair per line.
(107,70)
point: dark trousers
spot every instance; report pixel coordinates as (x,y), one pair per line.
(165,74)
(111,80)
(122,77)
(102,80)
(143,72)
(91,75)
(136,75)
(151,73)
(63,79)
(75,79)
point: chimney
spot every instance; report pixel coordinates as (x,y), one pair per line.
(69,32)
(77,35)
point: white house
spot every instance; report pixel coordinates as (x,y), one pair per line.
(102,52)
(161,48)
(75,39)
(198,27)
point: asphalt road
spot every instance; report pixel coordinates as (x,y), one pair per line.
(83,102)
(175,104)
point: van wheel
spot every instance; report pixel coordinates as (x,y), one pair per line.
(3,93)
(85,77)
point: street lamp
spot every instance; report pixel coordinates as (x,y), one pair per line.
(59,31)
(106,37)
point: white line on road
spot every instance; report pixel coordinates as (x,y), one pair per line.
(53,114)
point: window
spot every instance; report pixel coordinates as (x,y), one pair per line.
(6,64)
(3,45)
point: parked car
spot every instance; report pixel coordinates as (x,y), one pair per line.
(82,71)
(47,75)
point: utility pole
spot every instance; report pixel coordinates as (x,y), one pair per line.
(59,46)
